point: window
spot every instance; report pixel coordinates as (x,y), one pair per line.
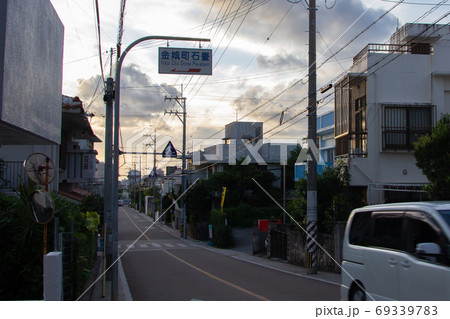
(422,229)
(359,128)
(341,108)
(86,162)
(446,215)
(404,124)
(387,230)
(360,229)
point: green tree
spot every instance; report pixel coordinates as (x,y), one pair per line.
(432,153)
(335,199)
(241,189)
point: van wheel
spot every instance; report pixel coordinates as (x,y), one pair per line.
(357,294)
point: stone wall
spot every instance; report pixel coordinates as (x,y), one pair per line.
(329,254)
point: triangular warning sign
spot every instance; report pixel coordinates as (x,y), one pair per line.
(169,151)
(153,173)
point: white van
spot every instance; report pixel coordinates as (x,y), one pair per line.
(397,252)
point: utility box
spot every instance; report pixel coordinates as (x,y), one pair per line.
(53,276)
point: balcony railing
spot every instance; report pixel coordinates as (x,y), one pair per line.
(413,48)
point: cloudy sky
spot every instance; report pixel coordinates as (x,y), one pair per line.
(260,54)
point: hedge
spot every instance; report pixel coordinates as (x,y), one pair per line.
(246,216)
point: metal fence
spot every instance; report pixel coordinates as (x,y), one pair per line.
(77,257)
(11,174)
(67,249)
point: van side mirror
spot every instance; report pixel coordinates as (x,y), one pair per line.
(428,251)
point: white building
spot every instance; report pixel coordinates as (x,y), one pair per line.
(394,93)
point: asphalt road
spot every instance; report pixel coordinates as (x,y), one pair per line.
(161,267)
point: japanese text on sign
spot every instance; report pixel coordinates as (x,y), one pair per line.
(185,61)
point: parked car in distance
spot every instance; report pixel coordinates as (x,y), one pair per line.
(120,202)
(397,252)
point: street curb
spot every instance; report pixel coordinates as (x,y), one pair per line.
(124,289)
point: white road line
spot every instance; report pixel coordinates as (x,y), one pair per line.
(169,245)
(156,245)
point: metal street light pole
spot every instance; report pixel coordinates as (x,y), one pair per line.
(115,177)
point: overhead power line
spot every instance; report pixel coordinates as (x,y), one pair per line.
(97,14)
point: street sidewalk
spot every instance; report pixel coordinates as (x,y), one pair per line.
(279,265)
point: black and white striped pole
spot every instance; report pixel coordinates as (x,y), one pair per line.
(311,204)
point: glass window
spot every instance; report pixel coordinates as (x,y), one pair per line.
(360,229)
(387,230)
(421,229)
(446,215)
(404,124)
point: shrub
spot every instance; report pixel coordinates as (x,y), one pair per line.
(22,244)
(222,236)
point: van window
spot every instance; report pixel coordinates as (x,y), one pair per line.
(446,215)
(360,229)
(387,230)
(422,229)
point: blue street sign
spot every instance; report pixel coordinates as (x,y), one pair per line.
(169,151)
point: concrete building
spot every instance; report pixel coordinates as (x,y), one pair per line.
(243,143)
(78,161)
(393,94)
(31,56)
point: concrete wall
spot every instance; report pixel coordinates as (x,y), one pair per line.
(329,254)
(31,46)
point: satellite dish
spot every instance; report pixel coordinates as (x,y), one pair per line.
(42,207)
(40,168)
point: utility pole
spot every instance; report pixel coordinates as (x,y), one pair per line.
(153,179)
(183,155)
(107,199)
(311,204)
(154,170)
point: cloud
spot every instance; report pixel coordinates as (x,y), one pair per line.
(280,60)
(281,29)
(141,103)
(140,99)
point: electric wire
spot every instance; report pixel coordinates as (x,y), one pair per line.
(372,72)
(97,14)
